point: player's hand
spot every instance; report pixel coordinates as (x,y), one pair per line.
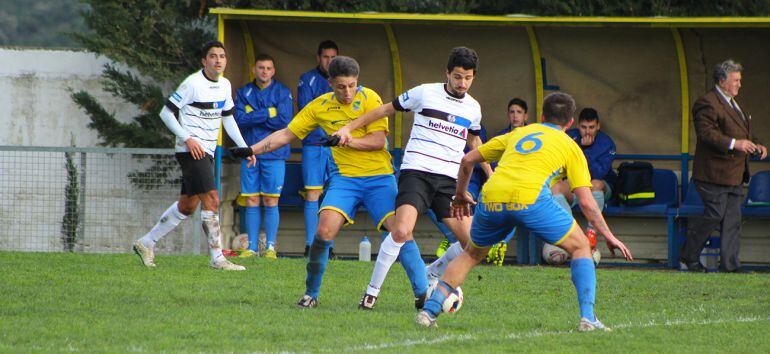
(344,135)
(331,140)
(461,205)
(587,140)
(242,153)
(745,146)
(195,148)
(614,244)
(252,161)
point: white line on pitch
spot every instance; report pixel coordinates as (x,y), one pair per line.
(533,334)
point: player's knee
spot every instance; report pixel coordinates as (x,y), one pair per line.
(401,234)
(187,207)
(477,254)
(313,195)
(325,232)
(270,201)
(252,201)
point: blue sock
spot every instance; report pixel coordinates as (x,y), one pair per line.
(311,221)
(316,266)
(253,223)
(414,267)
(271,225)
(434,304)
(584,278)
(450,236)
(510,235)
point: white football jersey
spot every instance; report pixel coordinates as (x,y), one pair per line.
(201,103)
(440,130)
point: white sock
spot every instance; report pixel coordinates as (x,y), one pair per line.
(168,221)
(387,255)
(211,229)
(438,267)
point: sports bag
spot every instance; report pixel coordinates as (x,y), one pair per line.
(634,184)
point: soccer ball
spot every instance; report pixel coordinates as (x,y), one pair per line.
(596,255)
(554,255)
(453,302)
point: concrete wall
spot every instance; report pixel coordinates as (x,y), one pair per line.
(36,107)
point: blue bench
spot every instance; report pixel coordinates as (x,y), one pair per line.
(756,205)
(292,185)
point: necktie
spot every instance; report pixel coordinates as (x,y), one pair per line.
(735,107)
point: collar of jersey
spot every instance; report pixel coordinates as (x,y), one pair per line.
(334,96)
(207,78)
(551,125)
(451,94)
(321,72)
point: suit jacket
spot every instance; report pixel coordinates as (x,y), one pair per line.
(716,124)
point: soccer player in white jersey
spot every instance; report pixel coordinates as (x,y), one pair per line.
(194,113)
(446,119)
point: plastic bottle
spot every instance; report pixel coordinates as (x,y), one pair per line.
(591,235)
(365,250)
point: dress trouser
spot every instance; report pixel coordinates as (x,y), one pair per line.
(722,206)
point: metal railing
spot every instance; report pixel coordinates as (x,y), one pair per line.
(95,200)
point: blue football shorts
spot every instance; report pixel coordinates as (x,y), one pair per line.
(315,160)
(376,193)
(493,221)
(265,178)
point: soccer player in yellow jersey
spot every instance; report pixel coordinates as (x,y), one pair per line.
(518,194)
(360,172)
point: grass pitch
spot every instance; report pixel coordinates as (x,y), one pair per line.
(109,303)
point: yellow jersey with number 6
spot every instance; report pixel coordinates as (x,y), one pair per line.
(529,158)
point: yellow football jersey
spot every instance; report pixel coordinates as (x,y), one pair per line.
(529,158)
(328,113)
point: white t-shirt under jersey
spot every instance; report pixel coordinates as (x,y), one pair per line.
(201,104)
(441,125)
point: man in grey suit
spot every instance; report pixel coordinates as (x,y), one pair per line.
(725,142)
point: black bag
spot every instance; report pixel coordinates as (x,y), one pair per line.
(634,183)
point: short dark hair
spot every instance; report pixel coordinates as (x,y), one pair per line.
(588,114)
(463,57)
(264,57)
(343,66)
(519,102)
(558,108)
(206,47)
(327,44)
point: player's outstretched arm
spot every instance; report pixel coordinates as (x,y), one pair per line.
(463,201)
(273,141)
(474,141)
(345,133)
(370,142)
(594,216)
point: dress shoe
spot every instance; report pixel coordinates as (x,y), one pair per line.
(693,266)
(739,271)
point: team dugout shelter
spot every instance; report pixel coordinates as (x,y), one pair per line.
(641,74)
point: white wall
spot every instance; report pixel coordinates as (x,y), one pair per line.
(35,104)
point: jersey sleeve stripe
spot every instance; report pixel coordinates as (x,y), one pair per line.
(228,112)
(173,108)
(397,105)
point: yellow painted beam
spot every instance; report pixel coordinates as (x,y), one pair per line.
(398,84)
(221,38)
(535,50)
(250,56)
(511,19)
(684,87)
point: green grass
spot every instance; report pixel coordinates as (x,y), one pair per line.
(109,303)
